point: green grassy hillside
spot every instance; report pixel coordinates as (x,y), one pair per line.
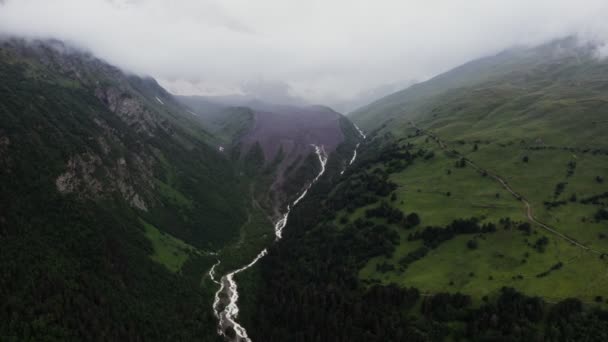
(536,122)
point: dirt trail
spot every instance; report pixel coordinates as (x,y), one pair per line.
(527,206)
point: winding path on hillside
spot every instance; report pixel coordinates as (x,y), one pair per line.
(506,186)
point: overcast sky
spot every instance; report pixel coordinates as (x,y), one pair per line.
(322,50)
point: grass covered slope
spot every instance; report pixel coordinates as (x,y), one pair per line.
(564,62)
(439,192)
(535,123)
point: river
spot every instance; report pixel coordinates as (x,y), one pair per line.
(225,304)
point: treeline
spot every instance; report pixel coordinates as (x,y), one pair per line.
(393,215)
(434,236)
(361,189)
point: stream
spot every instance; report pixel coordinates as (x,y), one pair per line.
(225,304)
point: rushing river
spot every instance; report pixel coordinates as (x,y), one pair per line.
(225,304)
(352,160)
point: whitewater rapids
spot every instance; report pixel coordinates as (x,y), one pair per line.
(228,314)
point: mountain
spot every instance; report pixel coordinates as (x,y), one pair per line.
(104,177)
(117,199)
(509,64)
(475,210)
(284,134)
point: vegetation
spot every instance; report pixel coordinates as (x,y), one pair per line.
(321,259)
(499,161)
(87,259)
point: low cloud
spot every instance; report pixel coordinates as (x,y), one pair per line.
(323,51)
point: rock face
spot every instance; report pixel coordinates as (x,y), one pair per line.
(79,177)
(87,176)
(286,136)
(129,109)
(94,174)
(293,130)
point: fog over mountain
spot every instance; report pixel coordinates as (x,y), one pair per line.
(326,52)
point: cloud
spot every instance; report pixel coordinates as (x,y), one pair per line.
(324,51)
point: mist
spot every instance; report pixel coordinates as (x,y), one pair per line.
(331,52)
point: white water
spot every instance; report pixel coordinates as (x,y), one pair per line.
(212,273)
(354,156)
(228,315)
(360,131)
(278,227)
(352,160)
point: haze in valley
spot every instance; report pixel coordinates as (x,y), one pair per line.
(338,53)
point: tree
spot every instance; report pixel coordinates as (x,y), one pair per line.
(525,159)
(601,214)
(412,220)
(472,244)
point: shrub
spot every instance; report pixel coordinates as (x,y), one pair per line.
(472,244)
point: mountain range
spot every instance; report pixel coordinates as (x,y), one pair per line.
(468,207)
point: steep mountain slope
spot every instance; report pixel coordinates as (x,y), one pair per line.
(475,210)
(284,137)
(276,140)
(98,167)
(516,62)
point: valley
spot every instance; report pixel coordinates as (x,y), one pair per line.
(469,207)
(163,197)
(226,298)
